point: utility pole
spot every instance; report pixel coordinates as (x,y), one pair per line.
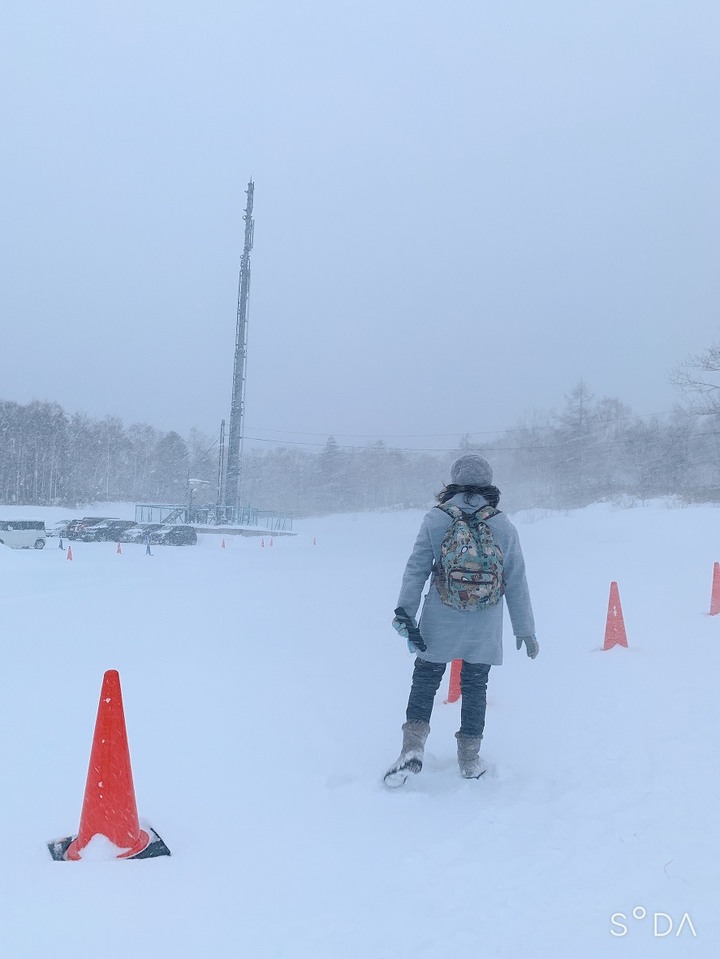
(231,493)
(221,470)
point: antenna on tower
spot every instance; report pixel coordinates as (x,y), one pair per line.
(221,469)
(236,433)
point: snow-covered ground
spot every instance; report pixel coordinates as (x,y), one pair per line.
(264,691)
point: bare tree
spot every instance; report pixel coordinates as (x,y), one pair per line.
(699,378)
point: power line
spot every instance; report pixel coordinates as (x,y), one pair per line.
(464,439)
(589,441)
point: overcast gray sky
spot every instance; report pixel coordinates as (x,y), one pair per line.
(461,208)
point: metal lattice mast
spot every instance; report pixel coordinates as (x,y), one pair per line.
(237,409)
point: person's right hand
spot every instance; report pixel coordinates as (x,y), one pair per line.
(401,627)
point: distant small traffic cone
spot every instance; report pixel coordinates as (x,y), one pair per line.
(454,687)
(314,541)
(119,550)
(69,552)
(262,542)
(615,626)
(715,594)
(109,809)
(222,545)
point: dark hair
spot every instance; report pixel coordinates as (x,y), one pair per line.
(491,493)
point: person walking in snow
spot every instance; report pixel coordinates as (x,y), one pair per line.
(465,624)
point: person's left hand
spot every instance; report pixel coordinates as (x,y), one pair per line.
(531,644)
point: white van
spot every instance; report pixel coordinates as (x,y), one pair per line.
(22,533)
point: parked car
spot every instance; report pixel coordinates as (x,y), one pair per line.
(107,530)
(76,526)
(139,532)
(59,529)
(22,533)
(174,535)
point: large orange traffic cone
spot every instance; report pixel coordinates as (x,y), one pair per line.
(715,594)
(615,626)
(109,808)
(454,687)
(69,552)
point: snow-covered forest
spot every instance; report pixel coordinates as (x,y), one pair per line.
(592,449)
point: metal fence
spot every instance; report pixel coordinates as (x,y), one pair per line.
(213,516)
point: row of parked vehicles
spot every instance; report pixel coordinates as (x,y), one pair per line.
(31,534)
(103,529)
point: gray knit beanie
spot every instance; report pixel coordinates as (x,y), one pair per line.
(471,470)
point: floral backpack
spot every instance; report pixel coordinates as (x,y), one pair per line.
(470,572)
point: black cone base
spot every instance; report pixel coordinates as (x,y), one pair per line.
(156,847)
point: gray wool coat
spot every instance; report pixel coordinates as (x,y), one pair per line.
(474,635)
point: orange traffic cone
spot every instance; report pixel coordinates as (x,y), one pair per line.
(715,595)
(615,625)
(69,552)
(119,550)
(109,808)
(454,687)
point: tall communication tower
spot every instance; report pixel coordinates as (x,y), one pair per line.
(231,491)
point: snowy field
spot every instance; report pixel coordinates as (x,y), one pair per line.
(264,691)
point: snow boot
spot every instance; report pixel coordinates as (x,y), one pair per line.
(410,759)
(469,761)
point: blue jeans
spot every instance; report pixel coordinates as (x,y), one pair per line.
(473,685)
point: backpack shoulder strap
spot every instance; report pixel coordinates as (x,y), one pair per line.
(485,513)
(481,514)
(453,511)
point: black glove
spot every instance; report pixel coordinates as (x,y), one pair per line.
(407,627)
